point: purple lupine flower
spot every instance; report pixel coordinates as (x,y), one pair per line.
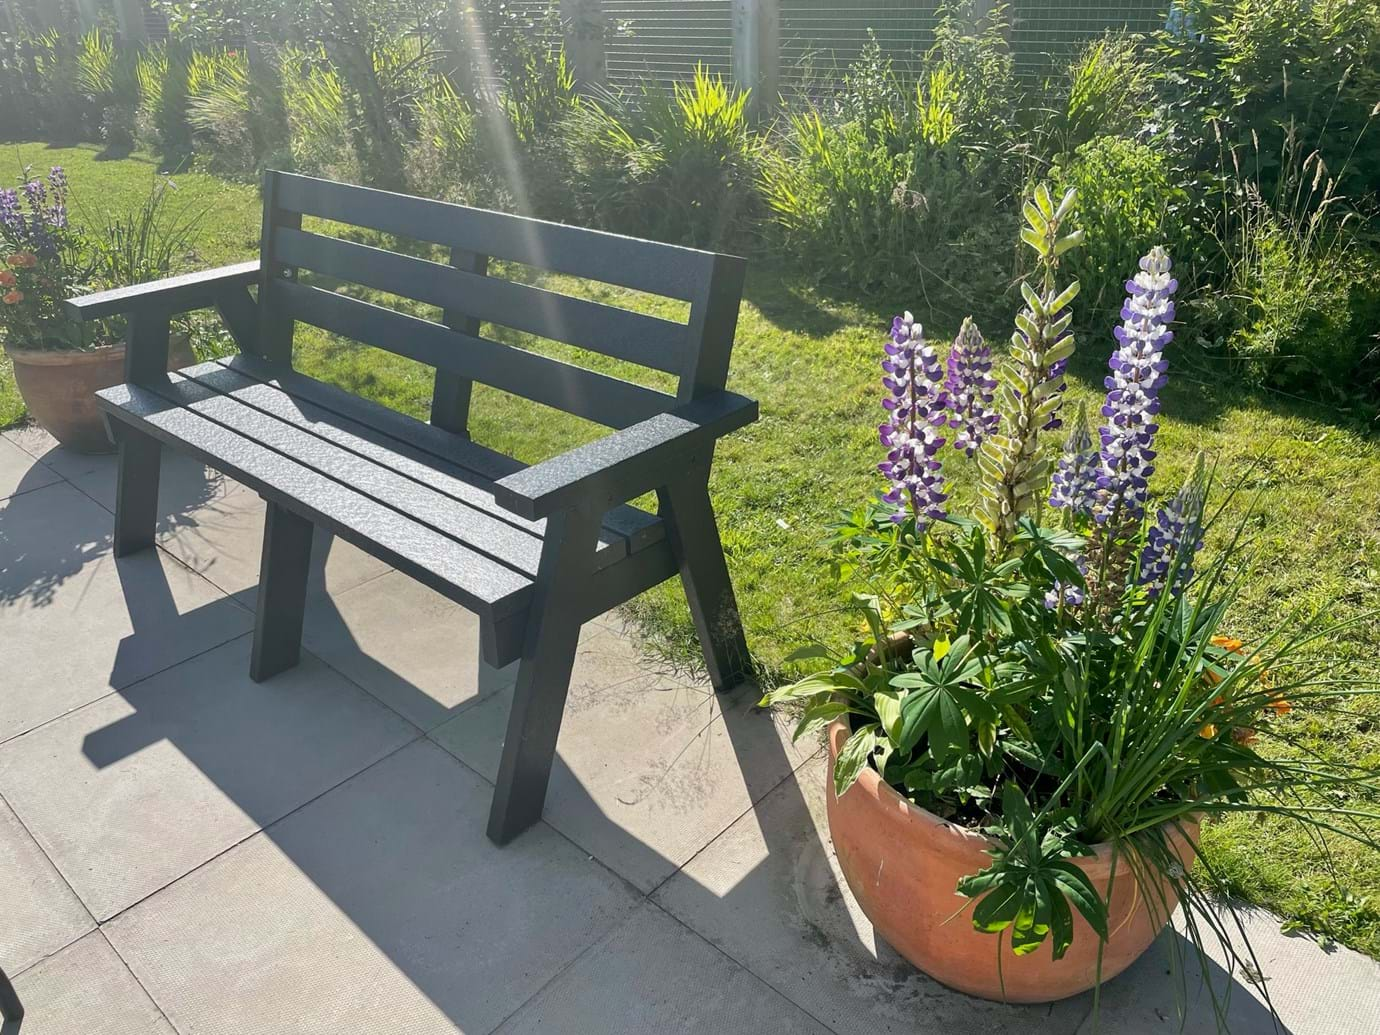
(36,192)
(11,219)
(969,387)
(57,212)
(1055,374)
(1071,595)
(1173,540)
(1074,485)
(1133,387)
(915,404)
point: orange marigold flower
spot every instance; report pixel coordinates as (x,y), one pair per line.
(1227,643)
(1279,704)
(7,279)
(14,298)
(1208,731)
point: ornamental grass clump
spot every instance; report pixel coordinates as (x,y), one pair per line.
(1054,670)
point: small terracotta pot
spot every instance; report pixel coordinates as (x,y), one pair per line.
(59,388)
(903,865)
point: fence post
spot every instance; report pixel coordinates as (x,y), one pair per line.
(757,52)
(129,17)
(583,25)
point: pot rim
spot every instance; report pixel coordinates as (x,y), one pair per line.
(1097,866)
(65,357)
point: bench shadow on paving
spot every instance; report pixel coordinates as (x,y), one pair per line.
(681,879)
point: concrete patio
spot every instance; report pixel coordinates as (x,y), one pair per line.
(182,850)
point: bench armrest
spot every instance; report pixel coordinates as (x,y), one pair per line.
(170,296)
(627,463)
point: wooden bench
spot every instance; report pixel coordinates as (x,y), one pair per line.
(534,551)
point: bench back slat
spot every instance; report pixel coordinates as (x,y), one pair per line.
(594,396)
(608,330)
(472,293)
(657,269)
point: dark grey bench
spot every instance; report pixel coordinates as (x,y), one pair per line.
(534,551)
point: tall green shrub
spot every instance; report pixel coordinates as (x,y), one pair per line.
(678,165)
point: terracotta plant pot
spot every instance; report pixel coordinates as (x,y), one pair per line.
(903,865)
(59,387)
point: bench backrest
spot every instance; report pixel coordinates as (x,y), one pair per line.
(467,292)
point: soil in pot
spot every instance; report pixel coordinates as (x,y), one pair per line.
(59,387)
(903,865)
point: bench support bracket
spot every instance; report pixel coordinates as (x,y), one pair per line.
(282,604)
(543,673)
(694,537)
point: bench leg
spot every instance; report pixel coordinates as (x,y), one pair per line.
(282,602)
(694,536)
(136,492)
(11,1009)
(543,674)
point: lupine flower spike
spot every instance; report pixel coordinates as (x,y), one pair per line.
(915,404)
(1133,387)
(1074,485)
(968,390)
(1173,540)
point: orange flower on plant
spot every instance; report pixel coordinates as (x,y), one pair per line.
(1279,704)
(14,298)
(7,278)
(1228,644)
(1208,731)
(23,260)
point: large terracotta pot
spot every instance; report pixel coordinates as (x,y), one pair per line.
(59,388)
(903,865)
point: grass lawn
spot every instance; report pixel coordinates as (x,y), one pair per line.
(813,363)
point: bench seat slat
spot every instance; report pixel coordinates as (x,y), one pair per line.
(475,580)
(584,393)
(335,412)
(660,269)
(511,546)
(407,474)
(621,333)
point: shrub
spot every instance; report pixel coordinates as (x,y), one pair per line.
(161,124)
(1128,196)
(1297,288)
(319,137)
(889,196)
(109,75)
(1249,70)
(679,165)
(1107,91)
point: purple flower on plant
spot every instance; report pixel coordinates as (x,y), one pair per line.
(1138,373)
(1074,485)
(36,193)
(969,387)
(914,402)
(11,218)
(1173,540)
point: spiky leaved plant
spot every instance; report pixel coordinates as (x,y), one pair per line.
(1014,471)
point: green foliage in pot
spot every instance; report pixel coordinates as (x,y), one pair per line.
(1055,670)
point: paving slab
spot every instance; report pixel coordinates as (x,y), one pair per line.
(42,446)
(406,644)
(649,769)
(769,893)
(1315,991)
(655,975)
(20,472)
(40,914)
(85,990)
(138,788)
(379,907)
(77,622)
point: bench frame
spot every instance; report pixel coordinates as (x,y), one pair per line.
(669,452)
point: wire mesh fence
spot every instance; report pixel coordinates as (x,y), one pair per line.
(663,40)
